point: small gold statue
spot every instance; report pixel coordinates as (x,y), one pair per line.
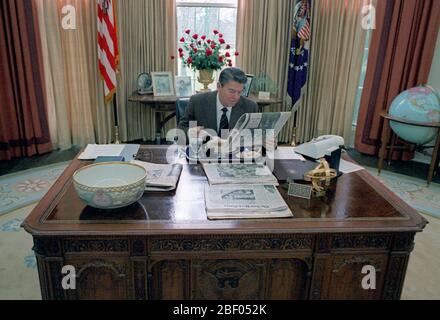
(320,177)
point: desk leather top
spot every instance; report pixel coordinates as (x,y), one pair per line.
(356,202)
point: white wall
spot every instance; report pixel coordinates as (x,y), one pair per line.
(434,75)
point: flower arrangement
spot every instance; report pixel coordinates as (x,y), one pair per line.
(200,53)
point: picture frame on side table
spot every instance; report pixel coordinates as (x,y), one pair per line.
(162,84)
(183,86)
(248,85)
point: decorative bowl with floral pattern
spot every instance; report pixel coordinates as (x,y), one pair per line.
(110,185)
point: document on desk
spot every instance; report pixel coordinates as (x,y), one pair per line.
(245,202)
(160,177)
(92,151)
(238,173)
(348,167)
(284,153)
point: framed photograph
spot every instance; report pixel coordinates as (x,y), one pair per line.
(162,83)
(183,86)
(247,87)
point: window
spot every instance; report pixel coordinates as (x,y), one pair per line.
(202,17)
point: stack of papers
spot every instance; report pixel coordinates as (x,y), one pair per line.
(238,173)
(284,153)
(92,151)
(244,202)
(160,177)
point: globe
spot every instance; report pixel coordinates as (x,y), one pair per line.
(420,104)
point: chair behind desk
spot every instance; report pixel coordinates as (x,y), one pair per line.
(181,105)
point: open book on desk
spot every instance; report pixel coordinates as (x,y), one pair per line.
(161,177)
(245,202)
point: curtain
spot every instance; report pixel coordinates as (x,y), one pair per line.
(24,129)
(400,57)
(147,33)
(263,40)
(337,47)
(77,112)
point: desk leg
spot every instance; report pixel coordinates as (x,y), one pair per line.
(384,143)
(435,158)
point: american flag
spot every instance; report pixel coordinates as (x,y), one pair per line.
(299,51)
(108,54)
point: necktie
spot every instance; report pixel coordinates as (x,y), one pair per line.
(224,123)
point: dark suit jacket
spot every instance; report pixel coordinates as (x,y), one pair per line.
(203,109)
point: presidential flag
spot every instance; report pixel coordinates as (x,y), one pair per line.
(108,54)
(299,51)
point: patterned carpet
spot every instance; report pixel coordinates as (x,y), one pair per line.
(19,275)
(23,188)
(412,190)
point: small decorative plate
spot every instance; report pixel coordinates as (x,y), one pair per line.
(145,84)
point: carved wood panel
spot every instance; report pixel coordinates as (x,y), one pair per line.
(228,279)
(286,279)
(101,279)
(344,275)
(169,280)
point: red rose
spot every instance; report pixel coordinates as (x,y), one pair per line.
(209,41)
(227,54)
(215,31)
(203,37)
(228,47)
(195,50)
(213,45)
(180,49)
(182,39)
(208,52)
(220,35)
(181,54)
(230,64)
(195,36)
(220,59)
(189,60)
(221,40)
(187,31)
(236,53)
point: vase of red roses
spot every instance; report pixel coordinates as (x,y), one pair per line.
(205,55)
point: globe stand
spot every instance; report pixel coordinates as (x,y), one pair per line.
(388,135)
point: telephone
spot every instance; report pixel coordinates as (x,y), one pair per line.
(320,147)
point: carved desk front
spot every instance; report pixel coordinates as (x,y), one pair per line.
(164,247)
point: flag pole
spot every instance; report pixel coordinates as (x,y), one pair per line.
(115,111)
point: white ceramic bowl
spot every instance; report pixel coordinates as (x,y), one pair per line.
(110,185)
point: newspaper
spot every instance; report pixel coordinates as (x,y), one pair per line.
(93,151)
(161,177)
(251,129)
(238,173)
(244,202)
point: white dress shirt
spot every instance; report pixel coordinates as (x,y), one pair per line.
(220,112)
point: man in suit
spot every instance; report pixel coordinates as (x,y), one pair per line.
(219,109)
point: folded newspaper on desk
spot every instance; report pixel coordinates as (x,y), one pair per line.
(238,173)
(245,202)
(251,129)
(161,177)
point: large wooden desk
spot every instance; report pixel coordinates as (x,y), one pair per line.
(168,104)
(165,248)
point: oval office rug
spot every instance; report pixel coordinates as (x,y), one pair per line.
(23,188)
(413,191)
